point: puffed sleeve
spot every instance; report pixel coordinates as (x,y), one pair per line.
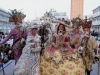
(7,37)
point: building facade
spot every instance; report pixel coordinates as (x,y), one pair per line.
(52,16)
(96,20)
(76,8)
(59,15)
(5,25)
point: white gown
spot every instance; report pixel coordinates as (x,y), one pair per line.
(28,64)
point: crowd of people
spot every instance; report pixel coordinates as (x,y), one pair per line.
(5,48)
(66,55)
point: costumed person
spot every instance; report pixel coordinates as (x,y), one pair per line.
(18,33)
(58,59)
(43,32)
(46,30)
(88,43)
(75,38)
(28,64)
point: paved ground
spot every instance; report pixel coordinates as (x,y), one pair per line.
(95,69)
(9,68)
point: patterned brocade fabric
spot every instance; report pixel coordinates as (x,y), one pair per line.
(55,64)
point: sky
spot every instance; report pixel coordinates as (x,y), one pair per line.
(36,8)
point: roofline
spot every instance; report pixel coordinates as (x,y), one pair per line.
(4,11)
(95,8)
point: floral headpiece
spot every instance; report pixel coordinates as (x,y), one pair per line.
(15,15)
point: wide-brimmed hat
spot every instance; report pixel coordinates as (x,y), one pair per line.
(65,23)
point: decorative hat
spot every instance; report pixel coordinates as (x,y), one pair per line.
(15,15)
(77,22)
(34,26)
(86,23)
(65,23)
(31,25)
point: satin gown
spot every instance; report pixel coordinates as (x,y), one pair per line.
(28,64)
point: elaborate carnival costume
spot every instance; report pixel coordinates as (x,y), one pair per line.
(28,64)
(46,29)
(60,59)
(18,33)
(75,38)
(88,43)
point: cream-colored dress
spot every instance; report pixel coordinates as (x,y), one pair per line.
(53,63)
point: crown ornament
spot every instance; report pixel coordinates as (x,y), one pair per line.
(86,23)
(76,22)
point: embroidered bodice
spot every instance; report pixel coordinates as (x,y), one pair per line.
(61,38)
